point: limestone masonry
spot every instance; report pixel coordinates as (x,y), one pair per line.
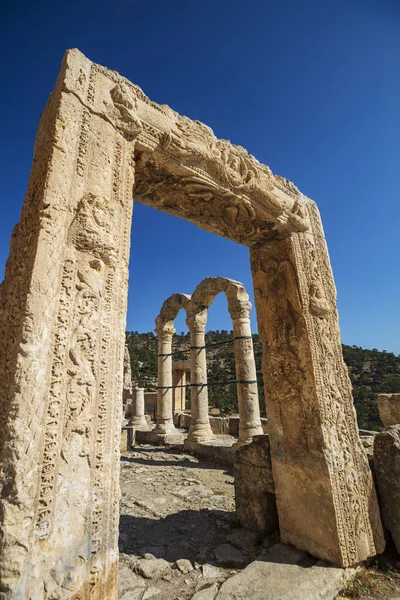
(100,143)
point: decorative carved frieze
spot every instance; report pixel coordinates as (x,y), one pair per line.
(62,326)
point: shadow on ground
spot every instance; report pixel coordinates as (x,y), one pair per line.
(177,461)
(190,534)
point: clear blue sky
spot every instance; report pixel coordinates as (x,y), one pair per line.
(311,88)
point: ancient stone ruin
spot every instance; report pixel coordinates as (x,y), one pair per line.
(100,144)
(196,308)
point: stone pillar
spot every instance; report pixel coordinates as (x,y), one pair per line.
(138,418)
(62,332)
(164,417)
(246,376)
(179,391)
(127,389)
(200,429)
(387,471)
(325,495)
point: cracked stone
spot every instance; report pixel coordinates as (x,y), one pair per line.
(184,565)
(210,572)
(153,568)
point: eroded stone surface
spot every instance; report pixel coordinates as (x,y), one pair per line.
(387,471)
(275,575)
(316,451)
(254,486)
(62,322)
(389,409)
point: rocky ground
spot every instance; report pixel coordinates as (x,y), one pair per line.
(178,535)
(179,540)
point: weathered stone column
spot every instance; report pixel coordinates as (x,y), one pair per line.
(62,332)
(325,495)
(164,416)
(246,376)
(138,418)
(200,429)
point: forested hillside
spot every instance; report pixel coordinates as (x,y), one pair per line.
(371,371)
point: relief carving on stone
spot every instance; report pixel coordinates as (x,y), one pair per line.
(185,169)
(62,321)
(302,310)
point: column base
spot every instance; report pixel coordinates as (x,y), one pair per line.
(246,434)
(160,439)
(200,432)
(139,423)
(164,427)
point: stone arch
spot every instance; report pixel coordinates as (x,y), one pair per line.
(102,142)
(170,309)
(208,289)
(239,308)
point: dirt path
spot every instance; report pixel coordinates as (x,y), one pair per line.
(178,534)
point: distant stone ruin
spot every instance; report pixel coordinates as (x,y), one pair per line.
(101,143)
(196,308)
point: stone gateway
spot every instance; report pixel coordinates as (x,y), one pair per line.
(100,144)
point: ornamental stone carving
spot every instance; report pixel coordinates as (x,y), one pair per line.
(102,142)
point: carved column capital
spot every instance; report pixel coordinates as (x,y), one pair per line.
(165,332)
(197,319)
(239,309)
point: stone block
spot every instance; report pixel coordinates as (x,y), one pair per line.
(387,473)
(207,593)
(153,568)
(286,574)
(127,438)
(254,486)
(176,418)
(219,425)
(184,421)
(160,439)
(218,450)
(389,409)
